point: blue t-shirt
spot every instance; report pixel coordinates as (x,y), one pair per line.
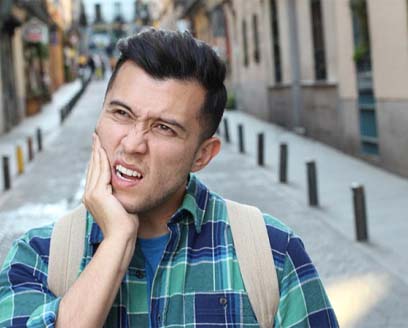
(152,250)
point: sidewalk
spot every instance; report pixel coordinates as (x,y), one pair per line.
(48,120)
(386,193)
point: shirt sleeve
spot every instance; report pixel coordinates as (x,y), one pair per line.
(25,300)
(303,300)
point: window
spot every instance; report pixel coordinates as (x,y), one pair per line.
(98,13)
(245,43)
(218,22)
(256,38)
(318,41)
(366,97)
(276,42)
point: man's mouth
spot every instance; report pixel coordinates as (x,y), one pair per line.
(127,174)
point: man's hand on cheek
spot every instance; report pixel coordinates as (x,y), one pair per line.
(98,198)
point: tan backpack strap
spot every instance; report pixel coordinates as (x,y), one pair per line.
(66,250)
(255,260)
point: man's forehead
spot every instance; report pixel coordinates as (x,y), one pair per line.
(133,68)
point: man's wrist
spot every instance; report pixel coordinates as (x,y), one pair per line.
(121,246)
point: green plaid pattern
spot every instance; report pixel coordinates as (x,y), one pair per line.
(198,282)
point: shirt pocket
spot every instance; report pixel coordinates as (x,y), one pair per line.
(224,308)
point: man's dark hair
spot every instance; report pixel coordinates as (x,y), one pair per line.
(167,54)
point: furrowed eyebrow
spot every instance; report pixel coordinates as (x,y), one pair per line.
(164,120)
(121,104)
(173,123)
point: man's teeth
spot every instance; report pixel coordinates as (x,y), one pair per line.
(128,172)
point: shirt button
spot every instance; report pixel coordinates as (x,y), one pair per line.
(140,274)
(223,301)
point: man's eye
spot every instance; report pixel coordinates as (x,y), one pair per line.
(164,129)
(121,112)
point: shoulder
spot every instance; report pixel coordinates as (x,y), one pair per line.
(37,238)
(284,242)
(35,242)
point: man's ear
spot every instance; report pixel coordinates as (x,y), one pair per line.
(207,151)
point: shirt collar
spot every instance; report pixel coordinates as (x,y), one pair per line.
(194,205)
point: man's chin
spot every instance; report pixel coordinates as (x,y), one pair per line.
(130,208)
(127,204)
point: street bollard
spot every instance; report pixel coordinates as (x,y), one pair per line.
(261,161)
(20,160)
(30,148)
(226,130)
(241,138)
(312,183)
(283,163)
(39,139)
(360,214)
(62,115)
(6,173)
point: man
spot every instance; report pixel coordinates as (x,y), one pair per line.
(158,248)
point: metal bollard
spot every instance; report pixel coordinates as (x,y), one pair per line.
(226,130)
(6,173)
(360,214)
(241,138)
(39,139)
(261,161)
(30,148)
(283,163)
(62,115)
(20,160)
(312,183)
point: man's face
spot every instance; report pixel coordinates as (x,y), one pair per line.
(150,131)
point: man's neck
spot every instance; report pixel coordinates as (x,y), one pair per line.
(148,229)
(154,222)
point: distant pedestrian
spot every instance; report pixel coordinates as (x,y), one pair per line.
(91,65)
(158,248)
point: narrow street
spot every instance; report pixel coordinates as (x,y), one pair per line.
(53,182)
(364,292)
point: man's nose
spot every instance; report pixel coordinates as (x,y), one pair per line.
(135,140)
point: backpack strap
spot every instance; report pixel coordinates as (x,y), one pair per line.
(66,250)
(255,260)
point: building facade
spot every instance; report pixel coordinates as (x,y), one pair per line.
(15,81)
(33,38)
(206,20)
(334,70)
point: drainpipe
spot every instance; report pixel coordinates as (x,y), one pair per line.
(297,105)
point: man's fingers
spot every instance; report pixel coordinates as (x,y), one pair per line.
(94,167)
(104,176)
(105,167)
(89,169)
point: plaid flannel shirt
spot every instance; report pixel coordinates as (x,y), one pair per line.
(198,281)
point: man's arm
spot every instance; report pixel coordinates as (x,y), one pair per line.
(88,301)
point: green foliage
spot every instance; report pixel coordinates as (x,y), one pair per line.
(360,52)
(231,104)
(362,47)
(42,50)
